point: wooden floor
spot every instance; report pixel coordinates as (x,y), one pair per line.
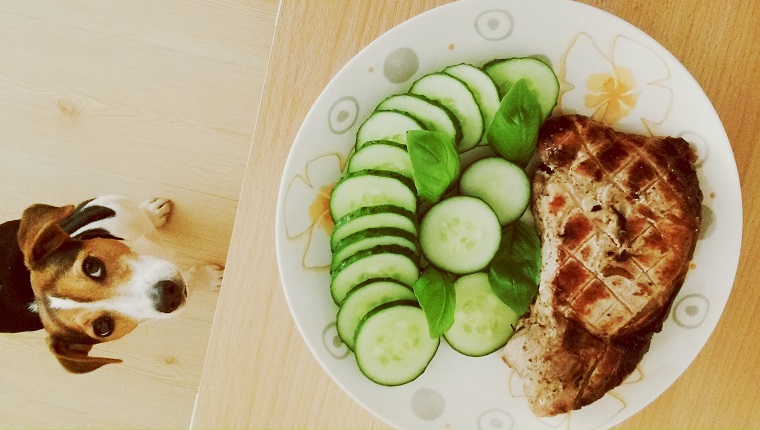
(144,99)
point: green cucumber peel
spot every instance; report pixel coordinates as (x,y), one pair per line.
(514,271)
(435,163)
(435,292)
(513,132)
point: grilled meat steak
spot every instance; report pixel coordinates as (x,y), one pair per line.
(619,217)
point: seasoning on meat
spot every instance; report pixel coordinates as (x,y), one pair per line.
(619,217)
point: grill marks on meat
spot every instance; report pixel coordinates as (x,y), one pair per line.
(618,216)
(625,258)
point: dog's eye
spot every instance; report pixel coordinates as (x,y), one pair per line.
(93,268)
(103,326)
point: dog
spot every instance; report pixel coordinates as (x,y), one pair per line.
(88,274)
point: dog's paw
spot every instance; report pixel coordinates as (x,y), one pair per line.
(158,210)
(207,277)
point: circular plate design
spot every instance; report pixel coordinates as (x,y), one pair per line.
(608,69)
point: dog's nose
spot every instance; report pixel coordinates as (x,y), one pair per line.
(168,296)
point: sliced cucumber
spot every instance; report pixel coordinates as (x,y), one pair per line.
(381,155)
(373,217)
(501,184)
(371,238)
(433,115)
(362,299)
(539,76)
(367,188)
(482,322)
(460,235)
(482,87)
(457,97)
(386,125)
(392,343)
(385,261)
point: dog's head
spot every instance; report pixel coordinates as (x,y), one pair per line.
(94,290)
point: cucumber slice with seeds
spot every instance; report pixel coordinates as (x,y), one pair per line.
(371,238)
(362,299)
(367,188)
(433,115)
(482,322)
(482,87)
(385,261)
(460,235)
(386,125)
(373,217)
(381,155)
(539,76)
(457,97)
(500,183)
(393,346)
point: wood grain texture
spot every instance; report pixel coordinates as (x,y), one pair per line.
(260,373)
(144,99)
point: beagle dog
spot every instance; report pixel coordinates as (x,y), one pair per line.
(87,274)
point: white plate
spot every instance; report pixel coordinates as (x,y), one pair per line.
(585,45)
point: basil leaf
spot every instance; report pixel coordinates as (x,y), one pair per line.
(514,271)
(435,292)
(435,163)
(513,132)
(525,243)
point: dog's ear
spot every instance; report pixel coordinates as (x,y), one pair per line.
(75,358)
(39,233)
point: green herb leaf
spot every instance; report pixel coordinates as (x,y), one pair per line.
(513,132)
(435,163)
(514,272)
(435,292)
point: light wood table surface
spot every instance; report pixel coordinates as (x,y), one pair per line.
(141,98)
(259,372)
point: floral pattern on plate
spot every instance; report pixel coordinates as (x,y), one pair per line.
(625,89)
(313,186)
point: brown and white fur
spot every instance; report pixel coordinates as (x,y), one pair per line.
(89,274)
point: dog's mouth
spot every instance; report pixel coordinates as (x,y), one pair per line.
(168,296)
